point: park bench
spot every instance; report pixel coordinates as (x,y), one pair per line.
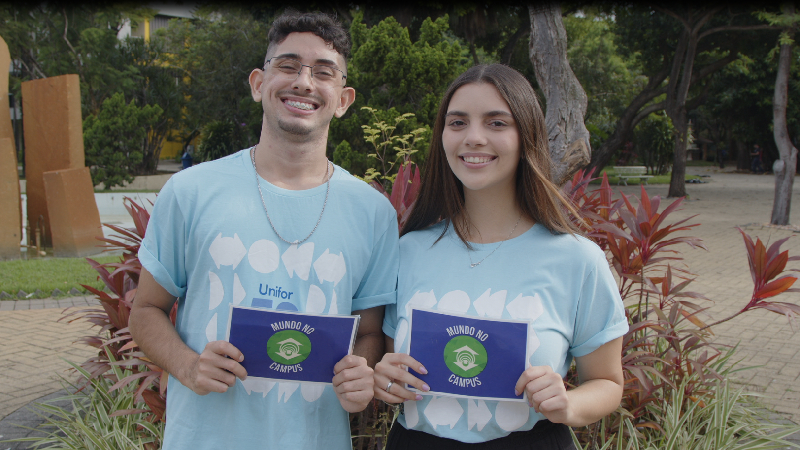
(625,172)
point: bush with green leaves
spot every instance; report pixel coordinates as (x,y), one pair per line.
(98,417)
(722,419)
(654,140)
(114,139)
(395,75)
(218,139)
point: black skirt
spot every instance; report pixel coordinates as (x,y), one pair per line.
(545,435)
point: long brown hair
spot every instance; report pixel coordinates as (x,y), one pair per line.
(441,194)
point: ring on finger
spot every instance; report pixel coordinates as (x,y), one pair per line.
(389,386)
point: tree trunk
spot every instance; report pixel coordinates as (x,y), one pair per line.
(783,168)
(632,115)
(677,91)
(566,100)
(677,182)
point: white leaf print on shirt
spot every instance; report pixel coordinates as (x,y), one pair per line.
(297,260)
(478,414)
(511,416)
(238,290)
(443,411)
(215,291)
(491,305)
(264,256)
(227,251)
(455,302)
(330,267)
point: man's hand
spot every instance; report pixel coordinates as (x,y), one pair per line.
(352,383)
(214,370)
(545,392)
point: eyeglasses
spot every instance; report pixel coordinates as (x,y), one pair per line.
(320,72)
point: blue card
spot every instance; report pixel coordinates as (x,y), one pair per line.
(294,346)
(469,356)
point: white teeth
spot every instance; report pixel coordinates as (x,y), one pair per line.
(300,105)
(477,159)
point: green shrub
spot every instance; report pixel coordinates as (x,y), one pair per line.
(654,139)
(218,139)
(98,418)
(114,139)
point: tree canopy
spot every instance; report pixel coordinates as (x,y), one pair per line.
(711,65)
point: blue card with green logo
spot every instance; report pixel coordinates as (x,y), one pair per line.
(294,346)
(469,356)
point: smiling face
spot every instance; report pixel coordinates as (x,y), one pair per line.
(481,139)
(300,106)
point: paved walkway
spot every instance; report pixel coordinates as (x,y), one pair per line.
(34,345)
(723,275)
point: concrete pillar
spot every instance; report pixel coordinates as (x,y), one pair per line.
(6,130)
(10,205)
(74,218)
(51,109)
(11,215)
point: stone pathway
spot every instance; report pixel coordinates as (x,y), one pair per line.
(35,348)
(765,339)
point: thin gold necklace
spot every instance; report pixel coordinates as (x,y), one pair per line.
(472,265)
(327,190)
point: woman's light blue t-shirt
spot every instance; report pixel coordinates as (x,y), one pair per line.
(561,284)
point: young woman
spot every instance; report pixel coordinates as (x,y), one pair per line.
(490,237)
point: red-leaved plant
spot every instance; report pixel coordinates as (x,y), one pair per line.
(121,279)
(404,190)
(667,344)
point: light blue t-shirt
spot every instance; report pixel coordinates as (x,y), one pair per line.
(561,284)
(209,244)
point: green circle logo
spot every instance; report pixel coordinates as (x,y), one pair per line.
(288,347)
(465,356)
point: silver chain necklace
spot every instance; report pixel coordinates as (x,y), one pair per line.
(327,190)
(472,265)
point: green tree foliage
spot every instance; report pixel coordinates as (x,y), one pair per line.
(609,78)
(215,54)
(218,139)
(114,137)
(654,140)
(49,39)
(156,84)
(394,75)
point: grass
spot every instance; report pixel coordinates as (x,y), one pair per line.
(656,179)
(47,274)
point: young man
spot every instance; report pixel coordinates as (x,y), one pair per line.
(275,226)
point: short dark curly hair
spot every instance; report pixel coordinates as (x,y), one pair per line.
(321,24)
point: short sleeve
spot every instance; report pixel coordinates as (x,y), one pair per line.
(600,316)
(162,251)
(379,284)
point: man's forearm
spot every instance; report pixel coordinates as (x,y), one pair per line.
(156,336)
(371,347)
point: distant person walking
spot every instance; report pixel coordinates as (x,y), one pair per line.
(756,162)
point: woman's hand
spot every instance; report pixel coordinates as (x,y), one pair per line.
(598,394)
(545,392)
(392,368)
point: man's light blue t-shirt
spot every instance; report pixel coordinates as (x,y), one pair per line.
(560,284)
(209,244)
